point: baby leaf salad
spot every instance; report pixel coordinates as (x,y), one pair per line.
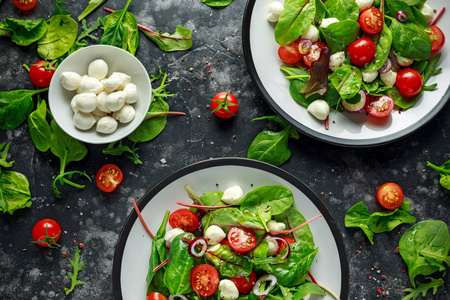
(357,56)
(228,245)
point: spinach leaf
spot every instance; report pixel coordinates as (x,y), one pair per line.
(414,2)
(307,288)
(422,288)
(15,107)
(296,84)
(39,128)
(392,7)
(421,21)
(410,40)
(24,32)
(425,247)
(383,41)
(293,218)
(61,34)
(119,149)
(212,199)
(321,12)
(347,80)
(343,9)
(357,217)
(93,4)
(294,20)
(217,3)
(180,40)
(444,171)
(229,263)
(226,218)
(343,32)
(261,250)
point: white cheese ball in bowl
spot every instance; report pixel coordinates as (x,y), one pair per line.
(83,121)
(125,114)
(98,69)
(70,80)
(106,125)
(85,102)
(116,100)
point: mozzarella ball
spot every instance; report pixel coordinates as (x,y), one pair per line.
(70,80)
(337,60)
(74,106)
(228,290)
(83,121)
(233,195)
(214,235)
(115,101)
(171,234)
(98,69)
(90,85)
(273,246)
(369,76)
(389,78)
(98,114)
(112,83)
(428,12)
(275,226)
(213,248)
(319,109)
(125,80)
(106,125)
(311,33)
(364,4)
(403,61)
(275,10)
(131,91)
(125,114)
(85,102)
(328,21)
(101,102)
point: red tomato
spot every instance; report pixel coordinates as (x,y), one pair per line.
(185,219)
(314,54)
(380,107)
(109,177)
(243,285)
(25,4)
(282,245)
(41,73)
(362,51)
(241,239)
(437,38)
(390,195)
(46,233)
(371,20)
(290,54)
(409,82)
(224,109)
(155,296)
(204,280)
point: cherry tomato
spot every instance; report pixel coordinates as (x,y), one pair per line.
(390,195)
(380,107)
(185,219)
(155,296)
(314,54)
(362,51)
(437,38)
(282,245)
(409,82)
(243,285)
(224,109)
(241,239)
(46,233)
(290,54)
(41,73)
(371,20)
(25,4)
(204,280)
(109,177)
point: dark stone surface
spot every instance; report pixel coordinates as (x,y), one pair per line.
(340,176)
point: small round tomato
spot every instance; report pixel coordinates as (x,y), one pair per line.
(371,20)
(282,245)
(380,107)
(41,73)
(437,38)
(290,54)
(362,51)
(243,285)
(155,296)
(109,177)
(46,233)
(390,195)
(241,239)
(222,108)
(204,280)
(25,4)
(409,82)
(314,53)
(185,219)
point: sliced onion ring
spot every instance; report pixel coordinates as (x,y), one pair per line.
(261,280)
(288,251)
(304,46)
(193,245)
(386,67)
(401,16)
(171,297)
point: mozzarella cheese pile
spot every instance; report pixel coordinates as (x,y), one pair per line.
(100,99)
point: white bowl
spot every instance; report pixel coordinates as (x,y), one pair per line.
(118,60)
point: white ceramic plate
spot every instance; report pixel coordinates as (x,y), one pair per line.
(260,50)
(118,60)
(130,267)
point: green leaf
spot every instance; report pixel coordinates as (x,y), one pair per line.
(39,128)
(347,80)
(93,4)
(410,40)
(226,218)
(24,32)
(444,171)
(217,3)
(294,20)
(422,288)
(3,162)
(383,41)
(293,218)
(307,288)
(119,149)
(357,217)
(180,40)
(228,263)
(61,33)
(343,32)
(343,9)
(14,191)
(77,267)
(59,10)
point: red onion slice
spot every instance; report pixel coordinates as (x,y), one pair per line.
(357,107)
(288,247)
(386,67)
(304,46)
(171,297)
(196,243)
(401,16)
(261,280)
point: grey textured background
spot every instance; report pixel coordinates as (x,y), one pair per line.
(340,176)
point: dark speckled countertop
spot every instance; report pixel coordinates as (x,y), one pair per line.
(340,176)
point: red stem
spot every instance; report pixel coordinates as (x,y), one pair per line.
(142,219)
(204,206)
(296,228)
(312,277)
(438,16)
(327,123)
(160,265)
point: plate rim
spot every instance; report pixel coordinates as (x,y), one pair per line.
(370,142)
(231,161)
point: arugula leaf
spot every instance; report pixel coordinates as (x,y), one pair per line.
(444,171)
(59,10)
(118,150)
(93,4)
(76,269)
(217,3)
(3,162)
(422,288)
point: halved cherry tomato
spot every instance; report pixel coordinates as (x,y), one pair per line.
(46,233)
(314,54)
(241,239)
(243,285)
(25,4)
(409,82)
(185,219)
(380,107)
(155,296)
(204,280)
(390,195)
(41,73)
(437,38)
(362,51)
(282,245)
(290,54)
(109,177)
(222,108)
(371,20)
